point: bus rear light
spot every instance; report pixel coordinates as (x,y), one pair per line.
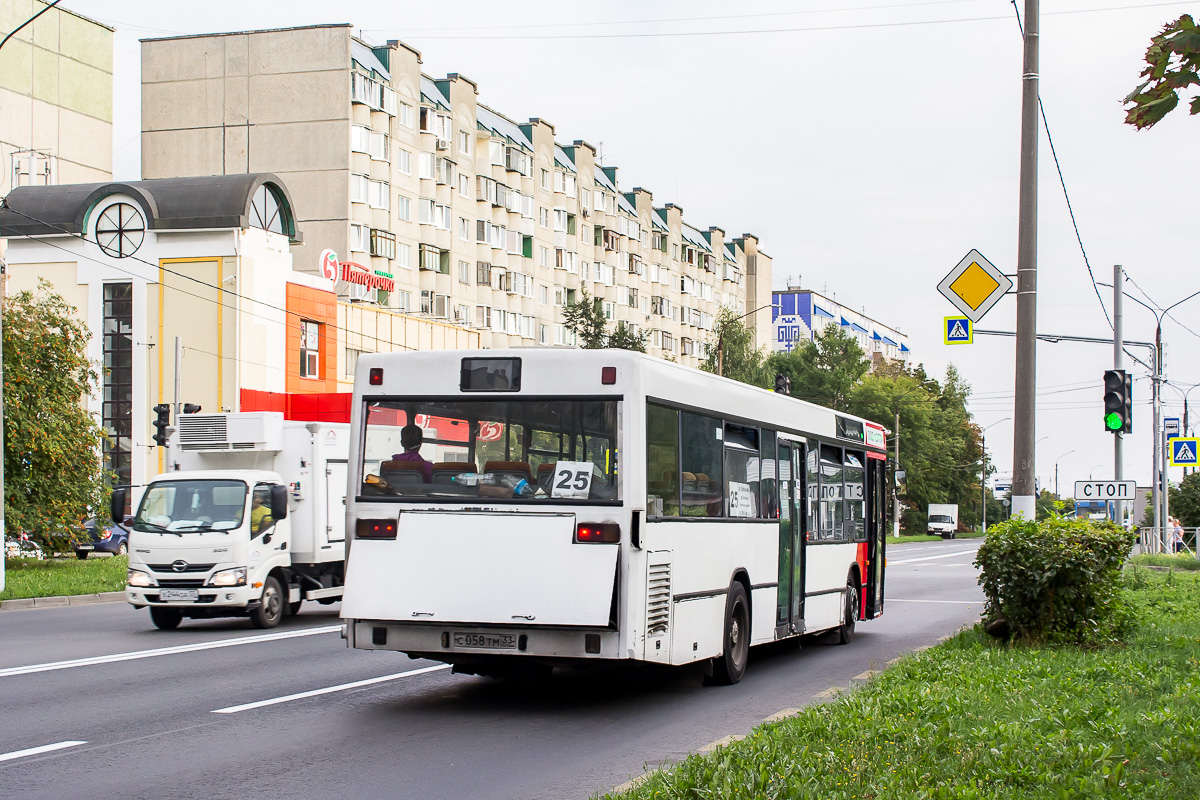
(375,376)
(602,532)
(375,529)
(608,375)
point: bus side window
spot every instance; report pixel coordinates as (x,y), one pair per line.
(702,451)
(769,507)
(662,461)
(814,488)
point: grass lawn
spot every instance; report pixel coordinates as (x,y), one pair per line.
(923,537)
(974,718)
(28,577)
(1175,561)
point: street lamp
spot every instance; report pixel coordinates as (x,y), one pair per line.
(1060,458)
(721,338)
(983,472)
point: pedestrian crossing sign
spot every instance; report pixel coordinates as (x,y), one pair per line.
(958,330)
(1183,451)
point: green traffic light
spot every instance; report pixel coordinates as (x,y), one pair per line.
(1113,421)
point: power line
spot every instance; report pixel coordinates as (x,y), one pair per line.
(809,29)
(234,293)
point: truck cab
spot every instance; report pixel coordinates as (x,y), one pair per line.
(206,543)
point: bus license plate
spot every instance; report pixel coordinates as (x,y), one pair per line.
(167,595)
(485,641)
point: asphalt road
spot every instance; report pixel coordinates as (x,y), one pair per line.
(95,703)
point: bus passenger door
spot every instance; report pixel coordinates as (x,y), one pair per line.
(877,503)
(789,618)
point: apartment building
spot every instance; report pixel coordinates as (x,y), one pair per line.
(797,315)
(56,96)
(421,200)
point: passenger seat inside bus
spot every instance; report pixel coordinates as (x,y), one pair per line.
(402,473)
(444,471)
(518,468)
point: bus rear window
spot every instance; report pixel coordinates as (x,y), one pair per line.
(531,450)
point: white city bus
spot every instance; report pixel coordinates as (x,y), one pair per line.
(574,506)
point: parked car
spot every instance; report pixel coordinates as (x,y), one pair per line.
(105,537)
(23,548)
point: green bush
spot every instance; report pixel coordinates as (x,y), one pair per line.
(1057,580)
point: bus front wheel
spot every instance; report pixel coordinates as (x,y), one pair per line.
(730,666)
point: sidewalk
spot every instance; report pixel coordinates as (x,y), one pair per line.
(63,600)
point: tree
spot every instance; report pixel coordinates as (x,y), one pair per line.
(53,465)
(1173,61)
(825,370)
(1183,501)
(624,338)
(740,360)
(585,318)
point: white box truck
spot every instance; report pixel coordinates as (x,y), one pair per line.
(248,520)
(942,519)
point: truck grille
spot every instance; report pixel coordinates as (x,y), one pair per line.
(188,568)
(180,583)
(658,599)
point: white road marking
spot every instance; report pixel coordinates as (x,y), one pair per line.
(945,602)
(329,690)
(33,751)
(892,562)
(164,651)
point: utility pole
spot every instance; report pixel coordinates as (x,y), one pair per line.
(1119,364)
(896,484)
(1025,385)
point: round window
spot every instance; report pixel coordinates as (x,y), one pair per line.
(120,230)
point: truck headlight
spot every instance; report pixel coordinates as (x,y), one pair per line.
(229,577)
(135,577)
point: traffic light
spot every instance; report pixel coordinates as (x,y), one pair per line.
(162,420)
(1118,387)
(191,408)
(783,384)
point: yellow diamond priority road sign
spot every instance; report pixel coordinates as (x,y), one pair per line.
(974,286)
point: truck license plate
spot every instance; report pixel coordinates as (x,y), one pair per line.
(486,641)
(167,595)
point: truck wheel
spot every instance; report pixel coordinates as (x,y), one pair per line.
(165,619)
(730,666)
(270,610)
(850,614)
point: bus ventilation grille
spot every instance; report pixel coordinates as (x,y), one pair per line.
(658,600)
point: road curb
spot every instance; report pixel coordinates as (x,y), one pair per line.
(62,600)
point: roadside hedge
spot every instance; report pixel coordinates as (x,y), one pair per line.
(1057,580)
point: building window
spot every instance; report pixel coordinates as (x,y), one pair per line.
(404,256)
(358,238)
(404,301)
(434,259)
(403,208)
(464,272)
(464,142)
(405,115)
(544,217)
(383,244)
(310,349)
(483,273)
(404,161)
(351,362)
(117,414)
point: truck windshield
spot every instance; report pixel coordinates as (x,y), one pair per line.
(191,506)
(939,518)
(532,450)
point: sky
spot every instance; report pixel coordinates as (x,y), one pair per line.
(869,144)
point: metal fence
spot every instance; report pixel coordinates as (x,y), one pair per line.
(1164,540)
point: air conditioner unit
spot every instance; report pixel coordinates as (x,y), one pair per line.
(585,212)
(442,144)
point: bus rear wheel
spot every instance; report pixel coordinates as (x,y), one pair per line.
(846,631)
(730,666)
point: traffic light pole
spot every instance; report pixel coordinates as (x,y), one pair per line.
(1118,363)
